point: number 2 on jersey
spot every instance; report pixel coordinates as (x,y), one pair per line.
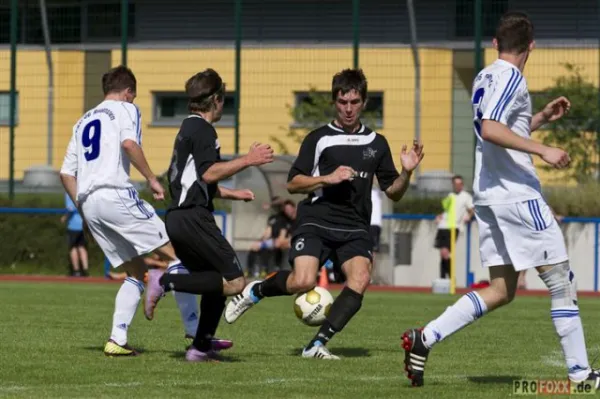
(90,139)
(477,97)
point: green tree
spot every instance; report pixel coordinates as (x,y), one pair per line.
(315,111)
(576,132)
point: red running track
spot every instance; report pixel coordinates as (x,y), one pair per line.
(376,288)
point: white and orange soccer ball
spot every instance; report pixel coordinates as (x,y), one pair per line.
(313,306)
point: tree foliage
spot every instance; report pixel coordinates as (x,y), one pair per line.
(315,111)
(576,132)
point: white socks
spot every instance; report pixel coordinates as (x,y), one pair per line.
(187,303)
(126,304)
(465,311)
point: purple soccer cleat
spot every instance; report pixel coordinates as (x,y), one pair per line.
(154,291)
(217,344)
(194,355)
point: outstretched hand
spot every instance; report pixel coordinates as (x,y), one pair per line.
(411,159)
(556,109)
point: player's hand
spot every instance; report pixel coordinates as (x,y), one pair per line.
(556,109)
(411,159)
(556,157)
(342,173)
(158,192)
(260,154)
(244,195)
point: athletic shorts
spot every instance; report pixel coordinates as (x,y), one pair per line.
(199,243)
(76,239)
(123,225)
(335,244)
(375,237)
(442,238)
(523,234)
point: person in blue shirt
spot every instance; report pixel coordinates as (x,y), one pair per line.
(77,243)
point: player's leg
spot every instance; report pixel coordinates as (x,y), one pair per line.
(305,255)
(546,250)
(470,307)
(126,303)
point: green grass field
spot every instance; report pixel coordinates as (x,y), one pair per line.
(53,334)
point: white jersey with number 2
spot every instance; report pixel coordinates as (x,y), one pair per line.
(94,154)
(503,176)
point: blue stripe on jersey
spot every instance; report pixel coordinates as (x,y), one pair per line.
(504,93)
(509,97)
(137,124)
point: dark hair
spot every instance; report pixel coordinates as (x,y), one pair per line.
(514,32)
(348,80)
(201,88)
(118,79)
(456,177)
(288,202)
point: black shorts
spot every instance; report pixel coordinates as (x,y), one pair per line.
(336,245)
(376,237)
(199,243)
(76,239)
(442,238)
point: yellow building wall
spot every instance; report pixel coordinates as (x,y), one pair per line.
(543,67)
(31,140)
(270,76)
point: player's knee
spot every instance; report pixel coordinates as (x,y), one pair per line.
(562,285)
(235,286)
(301,282)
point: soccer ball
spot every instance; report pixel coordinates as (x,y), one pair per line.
(313,306)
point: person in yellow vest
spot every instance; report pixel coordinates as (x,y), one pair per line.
(458,210)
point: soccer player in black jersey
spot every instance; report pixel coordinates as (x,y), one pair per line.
(335,167)
(195,171)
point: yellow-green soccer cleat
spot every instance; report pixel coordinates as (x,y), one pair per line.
(112,349)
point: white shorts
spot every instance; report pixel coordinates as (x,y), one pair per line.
(123,225)
(523,234)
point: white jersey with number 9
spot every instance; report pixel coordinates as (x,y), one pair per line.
(94,154)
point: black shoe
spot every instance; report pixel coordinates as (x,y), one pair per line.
(415,356)
(594,379)
(85,273)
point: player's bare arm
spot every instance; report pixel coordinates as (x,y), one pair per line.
(259,154)
(138,159)
(69,182)
(235,195)
(409,160)
(499,134)
(553,111)
(302,184)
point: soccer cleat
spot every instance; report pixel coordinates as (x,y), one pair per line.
(154,291)
(319,351)
(112,349)
(195,356)
(240,303)
(593,378)
(415,356)
(217,344)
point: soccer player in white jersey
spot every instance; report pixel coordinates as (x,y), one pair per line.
(95,174)
(517,230)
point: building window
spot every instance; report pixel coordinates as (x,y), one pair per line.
(64,24)
(5,108)
(464,17)
(314,108)
(104,21)
(170,108)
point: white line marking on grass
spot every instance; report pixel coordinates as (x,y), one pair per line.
(269,381)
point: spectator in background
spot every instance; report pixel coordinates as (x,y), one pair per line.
(77,244)
(263,248)
(286,221)
(463,212)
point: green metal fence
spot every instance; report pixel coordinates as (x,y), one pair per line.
(420,59)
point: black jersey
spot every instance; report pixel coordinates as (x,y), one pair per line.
(346,205)
(196,149)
